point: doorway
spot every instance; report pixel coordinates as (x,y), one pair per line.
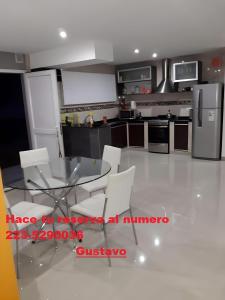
(13,127)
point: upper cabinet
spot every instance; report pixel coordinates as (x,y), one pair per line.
(135,74)
(139,80)
(186,71)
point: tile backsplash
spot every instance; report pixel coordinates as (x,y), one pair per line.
(156,104)
(98,114)
(179,110)
(146,111)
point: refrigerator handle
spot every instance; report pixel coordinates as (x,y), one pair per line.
(200,108)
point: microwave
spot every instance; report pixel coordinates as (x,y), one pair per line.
(128,114)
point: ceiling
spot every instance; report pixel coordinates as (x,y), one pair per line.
(170,28)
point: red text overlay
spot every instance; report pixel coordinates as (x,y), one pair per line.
(44,235)
(101,252)
(85,220)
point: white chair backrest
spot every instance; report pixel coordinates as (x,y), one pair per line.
(37,157)
(34,157)
(112,155)
(12,226)
(118,192)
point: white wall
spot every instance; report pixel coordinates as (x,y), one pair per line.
(8,61)
(74,54)
(149,111)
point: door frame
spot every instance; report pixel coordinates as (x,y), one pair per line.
(13,71)
(27,96)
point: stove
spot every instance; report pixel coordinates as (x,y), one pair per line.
(158,136)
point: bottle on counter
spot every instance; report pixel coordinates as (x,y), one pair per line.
(67,122)
(122,102)
(124,91)
(78,120)
(136,89)
(90,120)
(104,120)
(169,115)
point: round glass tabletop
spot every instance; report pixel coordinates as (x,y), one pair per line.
(58,174)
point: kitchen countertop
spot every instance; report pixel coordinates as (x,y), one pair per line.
(146,119)
(117,121)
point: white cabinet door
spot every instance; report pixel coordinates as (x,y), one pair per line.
(44,111)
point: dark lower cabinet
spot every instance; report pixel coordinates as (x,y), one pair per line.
(181,136)
(136,134)
(119,135)
(84,141)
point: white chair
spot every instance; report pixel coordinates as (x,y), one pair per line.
(112,155)
(26,209)
(115,202)
(33,163)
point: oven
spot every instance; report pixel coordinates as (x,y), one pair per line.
(158,136)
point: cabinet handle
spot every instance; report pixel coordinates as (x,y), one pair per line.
(181,124)
(158,126)
(139,124)
(117,126)
(200,108)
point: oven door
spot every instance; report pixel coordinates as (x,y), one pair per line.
(158,138)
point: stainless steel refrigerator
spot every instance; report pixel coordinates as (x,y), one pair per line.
(207,121)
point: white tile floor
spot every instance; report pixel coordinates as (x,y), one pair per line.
(181,260)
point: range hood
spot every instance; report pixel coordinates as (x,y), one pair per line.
(166,85)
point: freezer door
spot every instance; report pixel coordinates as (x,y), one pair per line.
(206,135)
(207,96)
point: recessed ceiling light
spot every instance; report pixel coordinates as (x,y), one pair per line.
(62,33)
(136,51)
(154,55)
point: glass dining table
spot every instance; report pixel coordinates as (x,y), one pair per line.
(56,179)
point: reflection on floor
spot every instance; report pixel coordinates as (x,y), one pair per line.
(180,260)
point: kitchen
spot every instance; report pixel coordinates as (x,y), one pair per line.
(112,150)
(136,120)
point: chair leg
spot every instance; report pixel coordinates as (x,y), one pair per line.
(75,195)
(67,206)
(17,259)
(24,195)
(40,229)
(133,227)
(32,199)
(53,229)
(106,243)
(75,242)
